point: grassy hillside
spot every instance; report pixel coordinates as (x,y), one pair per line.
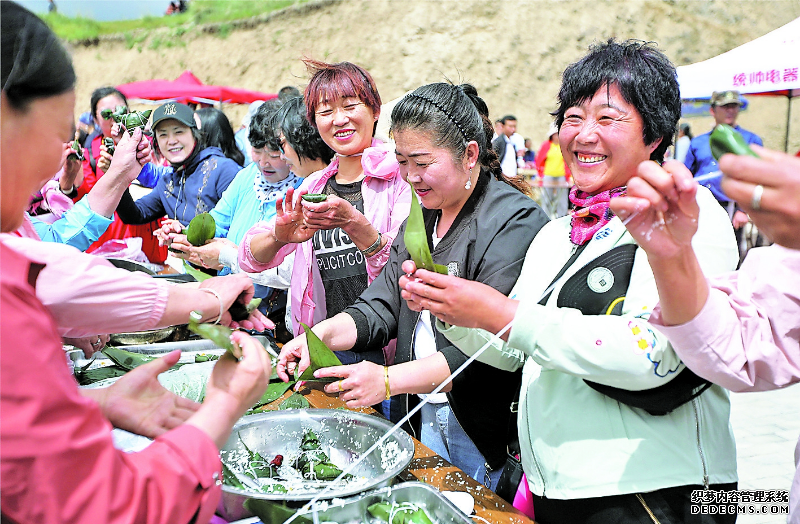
(199,12)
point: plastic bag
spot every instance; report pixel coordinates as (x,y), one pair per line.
(188,381)
(127,248)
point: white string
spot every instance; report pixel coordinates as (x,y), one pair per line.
(708,177)
(496,337)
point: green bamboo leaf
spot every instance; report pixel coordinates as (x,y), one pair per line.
(310,441)
(320,355)
(115,113)
(196,273)
(295,401)
(416,239)
(219,335)
(133,119)
(110,146)
(77,151)
(274,391)
(315,197)
(274,488)
(400,513)
(259,466)
(126,359)
(90,376)
(230,478)
(272,512)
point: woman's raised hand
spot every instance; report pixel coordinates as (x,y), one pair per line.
(126,156)
(245,380)
(104,162)
(290,225)
(660,208)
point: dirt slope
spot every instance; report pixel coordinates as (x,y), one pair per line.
(513,51)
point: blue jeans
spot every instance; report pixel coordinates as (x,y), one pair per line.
(443,434)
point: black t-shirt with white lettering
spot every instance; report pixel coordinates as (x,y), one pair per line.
(341,264)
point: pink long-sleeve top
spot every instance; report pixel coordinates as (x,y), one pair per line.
(387,201)
(58,463)
(747,336)
(87,295)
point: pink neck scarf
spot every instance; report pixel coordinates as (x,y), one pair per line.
(591,213)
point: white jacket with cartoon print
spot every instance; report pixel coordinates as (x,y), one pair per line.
(576,442)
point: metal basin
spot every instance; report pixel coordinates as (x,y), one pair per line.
(345,435)
(354,510)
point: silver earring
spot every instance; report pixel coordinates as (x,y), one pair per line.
(469,180)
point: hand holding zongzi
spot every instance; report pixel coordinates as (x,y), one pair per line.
(234,386)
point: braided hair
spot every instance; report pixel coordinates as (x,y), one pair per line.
(453,116)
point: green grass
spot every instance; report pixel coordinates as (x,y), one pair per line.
(200,12)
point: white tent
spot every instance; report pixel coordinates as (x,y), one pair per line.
(769,65)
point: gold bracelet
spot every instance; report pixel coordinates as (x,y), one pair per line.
(386,380)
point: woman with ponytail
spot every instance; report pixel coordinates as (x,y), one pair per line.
(480,223)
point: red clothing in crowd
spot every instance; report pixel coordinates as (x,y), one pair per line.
(118,230)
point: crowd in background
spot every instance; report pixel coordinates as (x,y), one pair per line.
(620,315)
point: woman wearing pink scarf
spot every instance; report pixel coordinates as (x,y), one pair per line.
(595,444)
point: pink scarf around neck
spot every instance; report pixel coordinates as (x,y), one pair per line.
(591,213)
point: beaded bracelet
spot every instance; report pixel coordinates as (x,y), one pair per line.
(374,247)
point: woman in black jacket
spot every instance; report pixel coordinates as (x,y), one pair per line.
(480,223)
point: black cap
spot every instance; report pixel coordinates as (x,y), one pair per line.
(173,110)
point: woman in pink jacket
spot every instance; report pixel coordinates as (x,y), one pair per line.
(342,243)
(738,330)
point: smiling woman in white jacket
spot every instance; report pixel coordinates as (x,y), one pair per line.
(587,456)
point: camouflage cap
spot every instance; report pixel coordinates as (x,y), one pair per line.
(721,98)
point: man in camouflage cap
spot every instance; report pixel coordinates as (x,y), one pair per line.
(725,106)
